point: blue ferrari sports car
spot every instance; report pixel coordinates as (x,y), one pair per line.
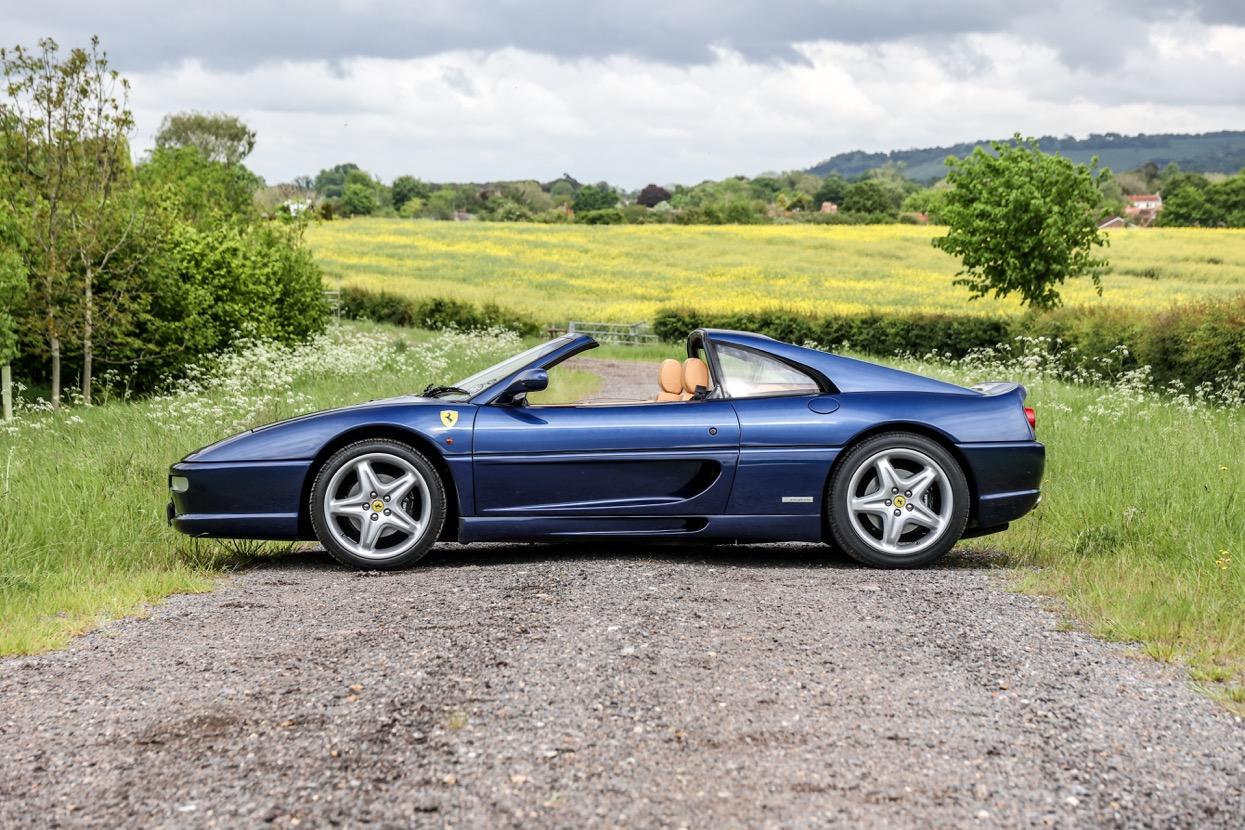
(748,439)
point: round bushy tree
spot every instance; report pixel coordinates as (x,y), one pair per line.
(1022,222)
(869,196)
(594,197)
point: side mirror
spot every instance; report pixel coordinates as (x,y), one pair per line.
(532,380)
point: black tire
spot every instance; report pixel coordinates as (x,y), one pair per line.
(864,538)
(337,537)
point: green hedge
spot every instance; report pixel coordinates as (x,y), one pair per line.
(881,334)
(434,313)
(1192,344)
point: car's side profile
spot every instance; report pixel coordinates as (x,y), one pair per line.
(749,439)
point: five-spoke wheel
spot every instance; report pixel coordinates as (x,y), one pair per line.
(897,500)
(377,504)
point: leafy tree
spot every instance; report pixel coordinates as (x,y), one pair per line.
(412,208)
(766,186)
(12,290)
(652,195)
(1112,192)
(928,200)
(441,204)
(869,196)
(64,128)
(219,137)
(793,200)
(406,188)
(594,197)
(832,189)
(802,182)
(205,192)
(329,182)
(358,199)
(1229,195)
(562,191)
(1190,206)
(1022,222)
(528,194)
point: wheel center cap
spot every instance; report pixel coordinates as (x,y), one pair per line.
(378,506)
(900,501)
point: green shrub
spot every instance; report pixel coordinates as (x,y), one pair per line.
(606,216)
(434,313)
(195,291)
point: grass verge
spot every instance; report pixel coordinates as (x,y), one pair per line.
(82,492)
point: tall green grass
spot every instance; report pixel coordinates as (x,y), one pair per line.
(1141,529)
(82,492)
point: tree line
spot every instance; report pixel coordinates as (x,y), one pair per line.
(883,194)
(114,276)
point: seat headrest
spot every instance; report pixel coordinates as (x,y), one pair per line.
(670,376)
(695,373)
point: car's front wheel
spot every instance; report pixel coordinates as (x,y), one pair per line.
(897,500)
(377,504)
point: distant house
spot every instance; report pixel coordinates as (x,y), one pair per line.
(1112,223)
(829,207)
(1143,208)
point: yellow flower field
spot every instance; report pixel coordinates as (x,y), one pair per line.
(625,273)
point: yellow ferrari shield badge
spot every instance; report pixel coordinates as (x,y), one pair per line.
(449,417)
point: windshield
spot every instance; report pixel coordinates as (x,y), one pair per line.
(471,386)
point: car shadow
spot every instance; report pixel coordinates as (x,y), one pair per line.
(752,556)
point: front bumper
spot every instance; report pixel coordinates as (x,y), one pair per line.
(239,500)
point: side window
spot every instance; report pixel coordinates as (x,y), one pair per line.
(748,374)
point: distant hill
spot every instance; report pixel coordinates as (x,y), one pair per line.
(1221,152)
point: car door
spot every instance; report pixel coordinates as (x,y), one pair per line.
(787,437)
(645,459)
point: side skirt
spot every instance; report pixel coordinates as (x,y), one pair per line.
(707,528)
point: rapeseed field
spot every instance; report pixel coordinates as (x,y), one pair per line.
(625,273)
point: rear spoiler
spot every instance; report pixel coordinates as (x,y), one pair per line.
(995,388)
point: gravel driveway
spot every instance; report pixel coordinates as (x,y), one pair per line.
(640,686)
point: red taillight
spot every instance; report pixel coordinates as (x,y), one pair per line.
(1032,416)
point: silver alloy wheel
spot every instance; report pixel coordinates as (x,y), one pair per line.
(900,501)
(377,506)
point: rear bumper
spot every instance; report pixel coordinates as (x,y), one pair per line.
(1007,480)
(239,500)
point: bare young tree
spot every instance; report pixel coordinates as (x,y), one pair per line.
(64,128)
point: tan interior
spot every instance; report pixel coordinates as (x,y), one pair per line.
(678,381)
(670,380)
(695,373)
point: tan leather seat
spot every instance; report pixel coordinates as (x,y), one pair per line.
(695,373)
(670,379)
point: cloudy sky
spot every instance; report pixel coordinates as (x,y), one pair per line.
(654,90)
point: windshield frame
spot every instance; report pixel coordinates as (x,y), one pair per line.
(484,386)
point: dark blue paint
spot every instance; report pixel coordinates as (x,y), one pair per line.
(748,469)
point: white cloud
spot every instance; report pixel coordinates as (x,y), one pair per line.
(511,113)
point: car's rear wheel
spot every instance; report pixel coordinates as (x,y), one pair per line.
(377,504)
(897,500)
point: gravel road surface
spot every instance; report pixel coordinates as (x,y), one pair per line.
(551,686)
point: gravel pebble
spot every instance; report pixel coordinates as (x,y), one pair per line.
(562,686)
